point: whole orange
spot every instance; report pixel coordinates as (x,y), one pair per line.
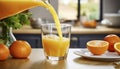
(97,47)
(20,49)
(112,39)
(90,24)
(4,52)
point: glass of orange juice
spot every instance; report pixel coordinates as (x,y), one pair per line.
(56,45)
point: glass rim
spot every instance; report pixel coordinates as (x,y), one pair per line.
(53,24)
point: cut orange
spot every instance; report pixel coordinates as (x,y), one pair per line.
(97,47)
(117,47)
(11,7)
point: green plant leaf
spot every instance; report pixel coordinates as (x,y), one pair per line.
(16,21)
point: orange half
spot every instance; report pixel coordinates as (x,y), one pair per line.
(117,47)
(11,7)
(97,47)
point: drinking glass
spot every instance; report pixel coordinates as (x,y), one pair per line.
(55,47)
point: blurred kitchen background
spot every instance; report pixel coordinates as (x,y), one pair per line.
(91,19)
(69,9)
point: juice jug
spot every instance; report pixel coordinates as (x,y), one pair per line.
(12,7)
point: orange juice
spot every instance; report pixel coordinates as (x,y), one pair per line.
(54,46)
(56,19)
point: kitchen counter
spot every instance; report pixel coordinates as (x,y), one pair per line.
(37,60)
(75,30)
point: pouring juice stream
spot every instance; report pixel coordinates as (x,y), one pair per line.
(12,7)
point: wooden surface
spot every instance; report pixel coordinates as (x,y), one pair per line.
(74,30)
(37,61)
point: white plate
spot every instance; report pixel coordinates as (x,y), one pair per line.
(108,56)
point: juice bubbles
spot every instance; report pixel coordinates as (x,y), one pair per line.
(54,46)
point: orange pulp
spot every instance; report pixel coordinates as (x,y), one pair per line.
(97,47)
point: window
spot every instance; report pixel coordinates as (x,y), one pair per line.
(68,9)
